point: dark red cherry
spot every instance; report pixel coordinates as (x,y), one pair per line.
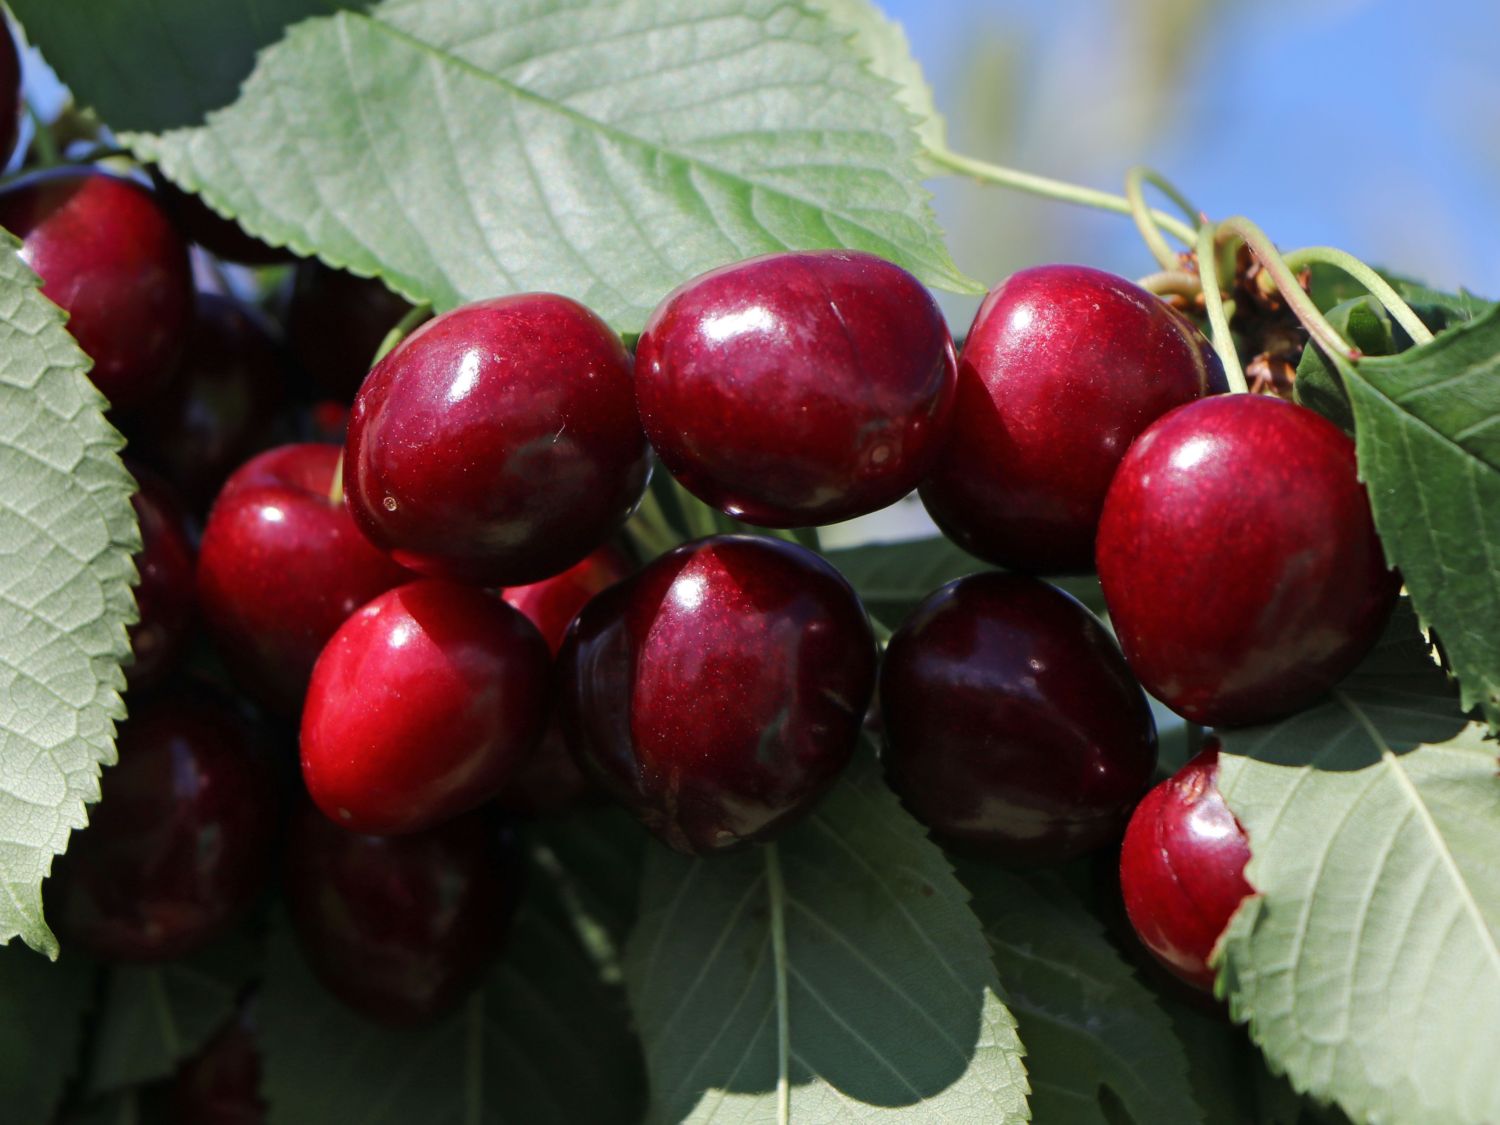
(180,842)
(400,928)
(164,595)
(799,388)
(336,322)
(718,692)
(221,237)
(1062,368)
(220,407)
(497,444)
(10,93)
(1239,559)
(1182,868)
(420,706)
(280,568)
(107,253)
(220,1085)
(1012,722)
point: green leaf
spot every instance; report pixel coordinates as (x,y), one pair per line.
(608,151)
(43,1002)
(1362,321)
(1428,432)
(1095,1036)
(839,968)
(1369,964)
(68,532)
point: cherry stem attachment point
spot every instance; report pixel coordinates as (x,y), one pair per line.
(1218,319)
(1378,287)
(1135,192)
(403,329)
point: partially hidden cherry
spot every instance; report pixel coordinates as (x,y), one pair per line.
(1062,368)
(110,257)
(220,236)
(220,1084)
(799,388)
(1012,722)
(420,706)
(497,444)
(400,928)
(180,842)
(164,595)
(1182,868)
(336,322)
(718,692)
(1239,559)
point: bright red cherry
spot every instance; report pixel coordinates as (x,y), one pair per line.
(164,595)
(10,93)
(1062,368)
(336,322)
(1012,721)
(497,444)
(1239,559)
(220,407)
(220,1085)
(718,692)
(1182,868)
(797,389)
(221,237)
(109,256)
(420,707)
(400,928)
(280,568)
(180,842)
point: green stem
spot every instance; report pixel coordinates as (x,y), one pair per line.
(651,528)
(1379,287)
(1180,283)
(42,138)
(403,329)
(1218,320)
(985,172)
(336,487)
(1145,222)
(777,894)
(1292,292)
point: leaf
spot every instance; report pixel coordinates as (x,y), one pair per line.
(1369,965)
(1428,433)
(67,532)
(1365,324)
(607,151)
(839,968)
(44,1003)
(1094,1034)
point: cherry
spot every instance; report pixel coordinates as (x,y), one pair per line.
(497,444)
(11,102)
(336,322)
(420,706)
(281,567)
(400,928)
(1062,368)
(164,594)
(220,407)
(548,781)
(220,1085)
(1013,724)
(107,253)
(1239,559)
(1182,868)
(719,691)
(799,388)
(221,237)
(180,842)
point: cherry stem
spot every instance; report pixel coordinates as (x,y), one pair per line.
(1378,287)
(650,527)
(403,329)
(985,172)
(1178,283)
(336,486)
(1145,220)
(42,138)
(1218,319)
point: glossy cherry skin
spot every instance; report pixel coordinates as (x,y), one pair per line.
(110,257)
(400,928)
(220,407)
(10,94)
(497,444)
(180,842)
(1012,722)
(718,692)
(1239,559)
(164,594)
(797,389)
(336,322)
(420,707)
(280,568)
(220,1085)
(1182,868)
(548,782)
(1062,368)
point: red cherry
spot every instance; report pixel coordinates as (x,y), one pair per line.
(220,1085)
(180,842)
(164,595)
(720,691)
(797,389)
(400,928)
(420,706)
(552,603)
(1239,559)
(11,102)
(107,253)
(1062,368)
(498,444)
(281,567)
(221,237)
(1013,723)
(1182,868)
(336,322)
